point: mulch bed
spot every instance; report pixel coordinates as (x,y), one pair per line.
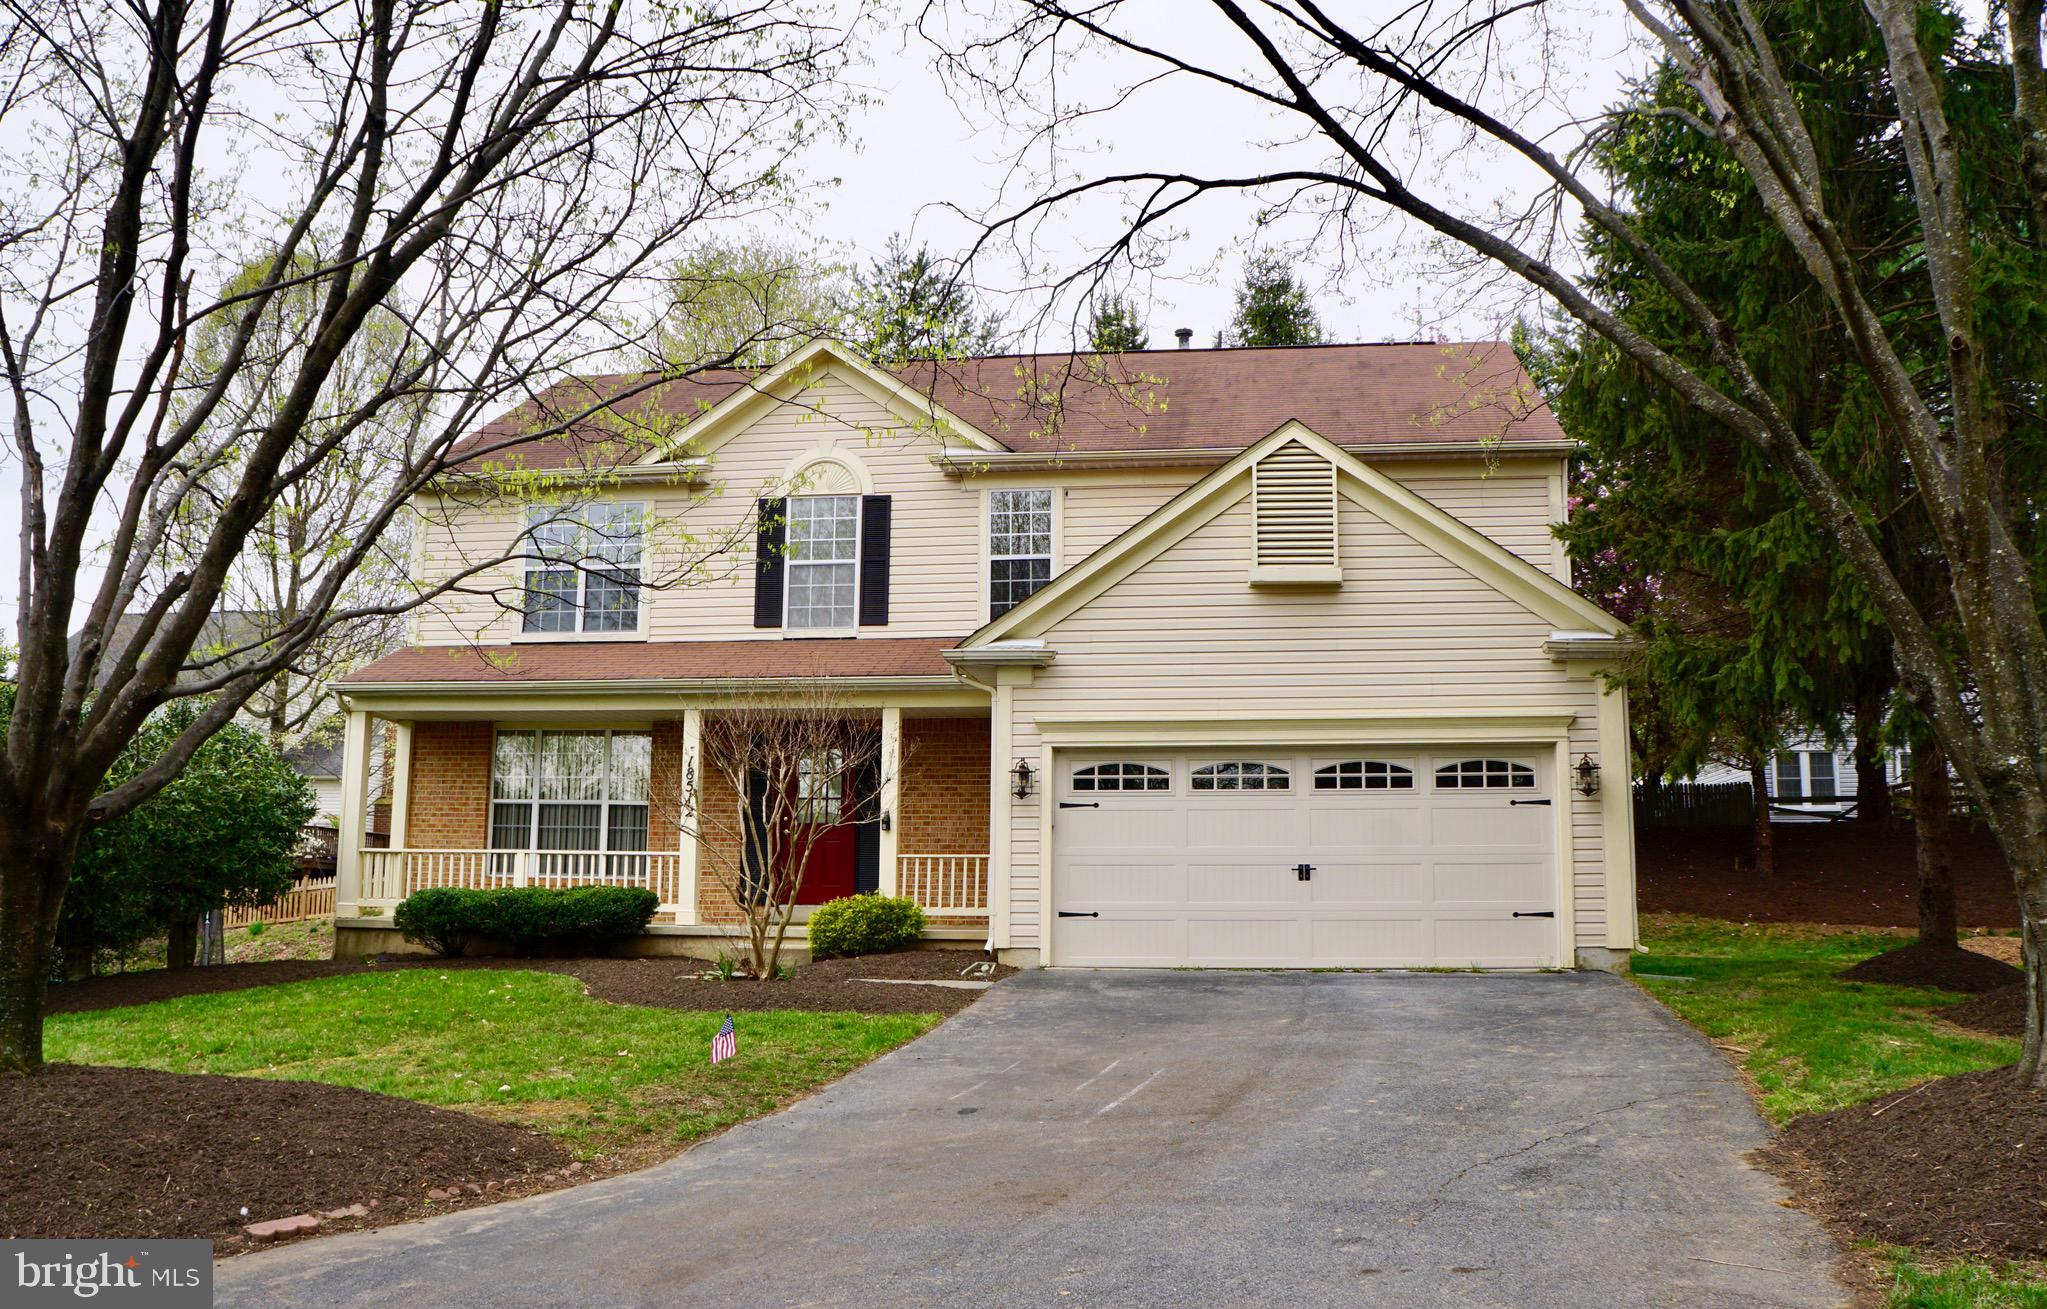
(96,1151)
(1949,968)
(1954,1166)
(829,985)
(1826,873)
(1994,1013)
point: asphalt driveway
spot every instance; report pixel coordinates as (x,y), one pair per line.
(1172,1139)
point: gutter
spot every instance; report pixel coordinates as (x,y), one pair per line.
(964,463)
(1562,646)
(671,471)
(644,685)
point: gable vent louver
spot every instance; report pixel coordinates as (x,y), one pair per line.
(1293,505)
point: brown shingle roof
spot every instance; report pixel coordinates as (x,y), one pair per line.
(637,661)
(1472,393)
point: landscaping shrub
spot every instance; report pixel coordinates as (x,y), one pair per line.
(864,924)
(443,918)
(525,918)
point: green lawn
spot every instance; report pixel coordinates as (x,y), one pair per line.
(1813,1042)
(525,1047)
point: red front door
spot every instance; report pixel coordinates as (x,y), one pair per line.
(824,797)
(829,874)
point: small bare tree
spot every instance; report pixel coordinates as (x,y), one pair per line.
(787,768)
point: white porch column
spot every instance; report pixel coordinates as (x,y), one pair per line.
(692,783)
(1617,809)
(1000,833)
(401,786)
(355,808)
(891,794)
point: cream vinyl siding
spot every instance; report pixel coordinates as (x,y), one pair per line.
(938,583)
(1408,632)
(1512,506)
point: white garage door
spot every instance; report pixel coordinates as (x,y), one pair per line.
(1331,858)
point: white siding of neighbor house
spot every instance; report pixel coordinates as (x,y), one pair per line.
(939,547)
(1408,632)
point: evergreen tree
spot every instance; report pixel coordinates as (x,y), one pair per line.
(1757,623)
(1114,327)
(907,305)
(1273,307)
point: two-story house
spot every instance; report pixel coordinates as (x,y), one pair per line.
(1259,657)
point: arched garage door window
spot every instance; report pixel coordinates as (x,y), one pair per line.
(1485,775)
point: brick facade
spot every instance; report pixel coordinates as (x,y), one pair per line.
(942,806)
(944,787)
(450,790)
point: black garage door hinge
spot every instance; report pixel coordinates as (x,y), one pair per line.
(1535,913)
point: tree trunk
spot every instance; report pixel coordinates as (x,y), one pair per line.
(2032,1065)
(1931,801)
(181,943)
(28,940)
(1762,850)
(1872,785)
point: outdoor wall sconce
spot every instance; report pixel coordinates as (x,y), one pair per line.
(1588,775)
(1025,777)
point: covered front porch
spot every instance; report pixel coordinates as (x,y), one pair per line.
(568,794)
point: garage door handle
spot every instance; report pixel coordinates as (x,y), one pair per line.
(1527,802)
(1080,804)
(1075,913)
(1536,913)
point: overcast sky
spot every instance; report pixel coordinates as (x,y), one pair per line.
(916,153)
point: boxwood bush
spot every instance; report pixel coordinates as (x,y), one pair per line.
(864,924)
(527,918)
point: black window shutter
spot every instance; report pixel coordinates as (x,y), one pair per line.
(769,563)
(874,524)
(866,802)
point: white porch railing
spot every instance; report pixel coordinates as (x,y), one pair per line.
(953,884)
(388,876)
(945,884)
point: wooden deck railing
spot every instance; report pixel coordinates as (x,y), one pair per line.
(945,884)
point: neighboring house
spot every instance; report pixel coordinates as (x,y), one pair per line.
(319,762)
(1809,780)
(1266,659)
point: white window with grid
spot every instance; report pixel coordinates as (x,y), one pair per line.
(583,571)
(823,554)
(1019,547)
(578,790)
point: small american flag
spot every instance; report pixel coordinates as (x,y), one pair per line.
(725,1044)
